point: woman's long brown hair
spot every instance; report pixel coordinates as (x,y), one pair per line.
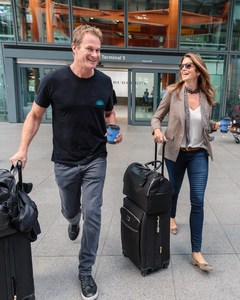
(204,83)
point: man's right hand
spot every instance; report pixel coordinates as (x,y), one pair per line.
(16,157)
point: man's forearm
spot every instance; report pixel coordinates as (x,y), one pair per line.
(110,117)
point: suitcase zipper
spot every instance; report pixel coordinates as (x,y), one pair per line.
(129,226)
(150,185)
(158,224)
(13,266)
(158,231)
(129,218)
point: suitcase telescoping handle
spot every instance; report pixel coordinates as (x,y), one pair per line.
(163,156)
(157,163)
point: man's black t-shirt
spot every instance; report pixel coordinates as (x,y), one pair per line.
(78,107)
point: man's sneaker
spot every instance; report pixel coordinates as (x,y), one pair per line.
(88,287)
(73,231)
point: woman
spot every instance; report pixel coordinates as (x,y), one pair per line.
(188,104)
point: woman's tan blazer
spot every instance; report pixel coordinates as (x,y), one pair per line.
(173,105)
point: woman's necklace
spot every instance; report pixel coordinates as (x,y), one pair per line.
(192,91)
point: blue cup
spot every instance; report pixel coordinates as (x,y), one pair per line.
(112,132)
(224,124)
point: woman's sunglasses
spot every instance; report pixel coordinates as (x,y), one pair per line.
(187,65)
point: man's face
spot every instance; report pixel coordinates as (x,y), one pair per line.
(87,54)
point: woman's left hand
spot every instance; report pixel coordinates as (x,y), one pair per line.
(118,138)
(217,125)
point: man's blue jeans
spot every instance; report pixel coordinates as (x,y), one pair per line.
(196,164)
(80,189)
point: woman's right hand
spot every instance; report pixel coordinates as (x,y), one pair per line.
(158,136)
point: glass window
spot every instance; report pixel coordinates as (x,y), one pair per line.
(144,96)
(236,26)
(6,21)
(29,78)
(233,96)
(216,66)
(106,15)
(43,21)
(48,114)
(204,24)
(3,107)
(153,23)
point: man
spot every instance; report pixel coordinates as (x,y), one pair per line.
(82,107)
(145,97)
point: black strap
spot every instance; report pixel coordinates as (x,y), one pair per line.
(155,163)
(19,170)
(163,156)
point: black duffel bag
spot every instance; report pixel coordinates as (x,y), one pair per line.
(18,212)
(147,187)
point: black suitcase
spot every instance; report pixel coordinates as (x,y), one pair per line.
(16,270)
(145,237)
(145,218)
(16,280)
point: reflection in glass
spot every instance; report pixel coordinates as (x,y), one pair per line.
(29,84)
(48,114)
(30,80)
(6,21)
(144,96)
(43,21)
(236,26)
(204,24)
(164,80)
(108,16)
(233,97)
(3,107)
(153,24)
(216,65)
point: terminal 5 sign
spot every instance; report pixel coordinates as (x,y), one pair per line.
(133,58)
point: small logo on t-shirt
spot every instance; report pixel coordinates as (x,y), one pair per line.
(100,103)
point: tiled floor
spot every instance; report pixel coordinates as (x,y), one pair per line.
(55,257)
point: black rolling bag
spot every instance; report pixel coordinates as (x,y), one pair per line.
(145,217)
(16,280)
(145,237)
(16,270)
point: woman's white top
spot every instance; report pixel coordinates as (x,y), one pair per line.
(196,130)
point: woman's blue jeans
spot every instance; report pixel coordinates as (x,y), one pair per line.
(196,164)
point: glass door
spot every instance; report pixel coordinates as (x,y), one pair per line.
(29,79)
(146,91)
(29,82)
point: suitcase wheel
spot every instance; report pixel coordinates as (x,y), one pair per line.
(144,273)
(165,265)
